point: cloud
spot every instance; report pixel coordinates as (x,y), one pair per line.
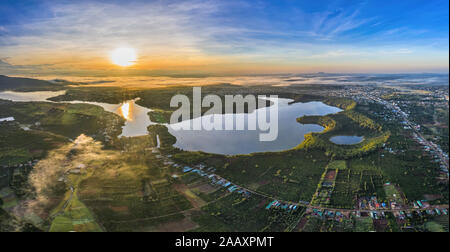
(10,69)
(85,27)
(192,35)
(404,51)
(335,23)
(187,28)
(391,51)
(3,63)
(403,32)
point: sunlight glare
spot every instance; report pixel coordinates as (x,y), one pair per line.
(125,109)
(124,57)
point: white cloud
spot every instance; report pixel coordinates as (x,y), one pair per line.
(187,31)
(151,27)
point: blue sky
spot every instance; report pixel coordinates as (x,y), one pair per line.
(246,36)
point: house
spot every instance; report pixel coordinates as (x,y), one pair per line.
(233,188)
(419,203)
(271,204)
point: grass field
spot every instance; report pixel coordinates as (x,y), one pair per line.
(364,224)
(438,224)
(76,217)
(337,165)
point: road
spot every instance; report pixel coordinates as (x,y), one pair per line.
(273,198)
(439,151)
(444,160)
(404,117)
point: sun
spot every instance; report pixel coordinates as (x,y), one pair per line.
(124,57)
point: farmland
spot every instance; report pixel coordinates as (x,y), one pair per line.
(97,181)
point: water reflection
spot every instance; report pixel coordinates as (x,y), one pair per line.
(347,140)
(125,110)
(39,96)
(137,119)
(290,133)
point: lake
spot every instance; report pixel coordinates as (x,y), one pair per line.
(29,96)
(290,132)
(136,117)
(347,140)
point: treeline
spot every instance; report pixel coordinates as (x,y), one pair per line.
(363,121)
(165,138)
(26,84)
(336,123)
(315,141)
(111,95)
(342,103)
(325,121)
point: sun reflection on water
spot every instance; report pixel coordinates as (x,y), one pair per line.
(126,111)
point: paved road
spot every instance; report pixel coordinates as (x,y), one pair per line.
(439,151)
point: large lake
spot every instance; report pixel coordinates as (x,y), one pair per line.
(290,132)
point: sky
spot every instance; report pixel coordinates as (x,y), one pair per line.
(223,37)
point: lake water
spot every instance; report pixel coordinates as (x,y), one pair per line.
(137,119)
(290,132)
(347,140)
(29,96)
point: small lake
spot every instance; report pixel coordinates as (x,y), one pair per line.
(347,140)
(290,132)
(136,117)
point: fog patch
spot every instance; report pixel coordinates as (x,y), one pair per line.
(50,179)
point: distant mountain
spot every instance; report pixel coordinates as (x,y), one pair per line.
(26,84)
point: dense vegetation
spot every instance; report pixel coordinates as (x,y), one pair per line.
(18,146)
(25,84)
(69,120)
(128,186)
(348,122)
